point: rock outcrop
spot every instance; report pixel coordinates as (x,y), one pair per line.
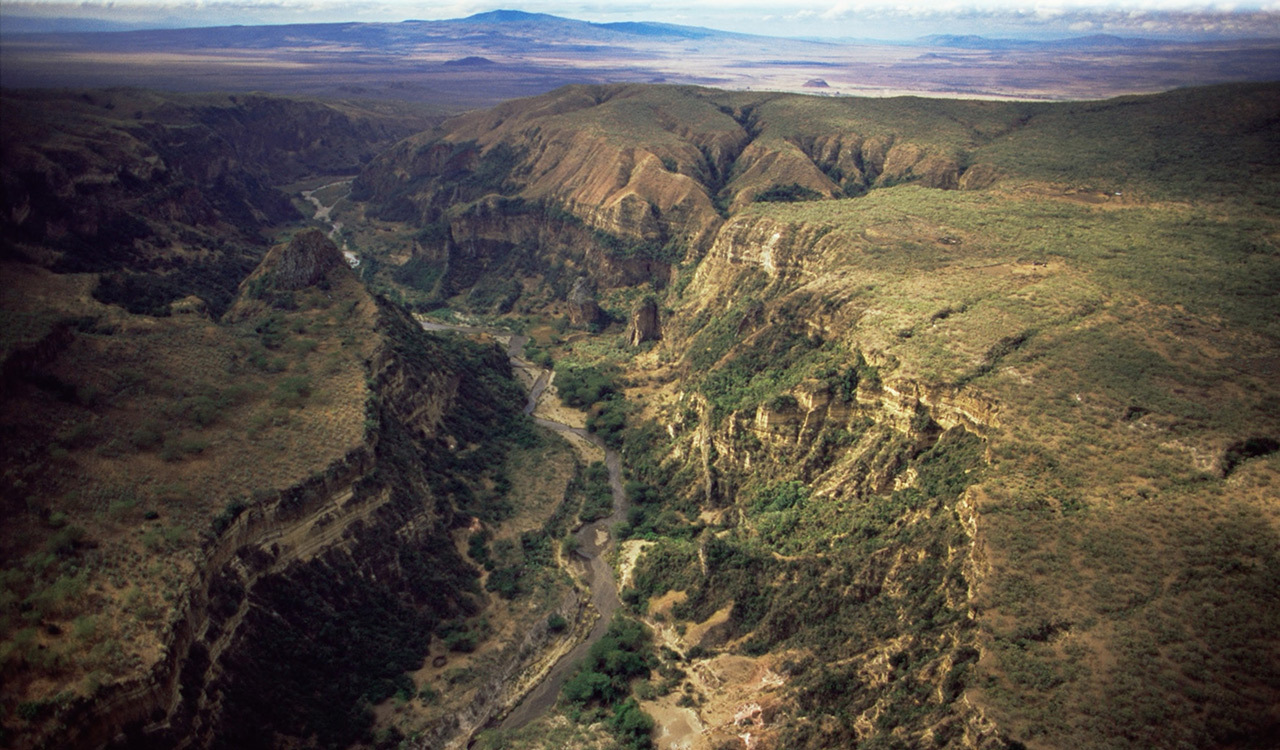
(644,324)
(289,584)
(304,260)
(584,311)
(302,263)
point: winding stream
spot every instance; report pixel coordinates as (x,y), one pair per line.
(594,539)
(324,213)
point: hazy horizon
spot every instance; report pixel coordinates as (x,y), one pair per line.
(904,20)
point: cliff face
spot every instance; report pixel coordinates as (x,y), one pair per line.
(307,598)
(641,178)
(333,468)
(855,508)
(506,239)
(928,467)
(779,250)
(862,388)
(166,194)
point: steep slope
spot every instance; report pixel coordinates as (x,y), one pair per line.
(1041,438)
(983,456)
(623,184)
(961,432)
(279,555)
(168,195)
(229,514)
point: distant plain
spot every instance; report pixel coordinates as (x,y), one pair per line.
(478,61)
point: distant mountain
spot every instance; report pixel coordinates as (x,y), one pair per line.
(666,30)
(470,62)
(419,60)
(513,32)
(511,16)
(498,23)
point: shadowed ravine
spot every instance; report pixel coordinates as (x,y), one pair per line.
(594,538)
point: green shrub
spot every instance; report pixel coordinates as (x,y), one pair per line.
(506,582)
(293,391)
(65,541)
(178,447)
(598,495)
(787,194)
(632,726)
(583,385)
(609,420)
(780,496)
(624,652)
(147,437)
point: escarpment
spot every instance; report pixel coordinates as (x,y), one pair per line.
(294,605)
(858,513)
(167,195)
(832,485)
(857,412)
(308,598)
(942,425)
(625,183)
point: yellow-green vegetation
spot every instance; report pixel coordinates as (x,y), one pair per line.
(518,557)
(1072,308)
(132,439)
(1015,442)
(1114,358)
(963,427)
(1115,354)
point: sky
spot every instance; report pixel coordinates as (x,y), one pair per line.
(874,19)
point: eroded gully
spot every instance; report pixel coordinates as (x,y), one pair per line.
(594,539)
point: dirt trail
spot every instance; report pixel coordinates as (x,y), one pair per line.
(594,539)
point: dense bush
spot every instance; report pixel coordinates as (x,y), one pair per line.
(609,420)
(418,273)
(603,679)
(586,386)
(597,494)
(582,385)
(789,193)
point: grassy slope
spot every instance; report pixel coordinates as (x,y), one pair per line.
(1150,338)
(134,437)
(1114,295)
(129,442)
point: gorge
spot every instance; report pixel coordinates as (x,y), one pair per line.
(693,418)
